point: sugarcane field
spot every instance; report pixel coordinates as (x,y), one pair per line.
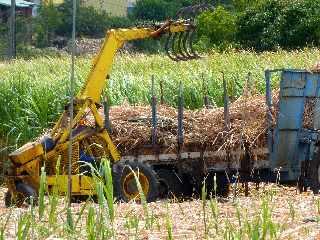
(158,119)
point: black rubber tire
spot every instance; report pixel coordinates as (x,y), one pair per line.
(122,169)
(315,175)
(25,193)
(171,185)
(222,185)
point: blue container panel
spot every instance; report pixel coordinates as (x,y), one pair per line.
(290,113)
(292,92)
(311,85)
(293,80)
(293,144)
(286,141)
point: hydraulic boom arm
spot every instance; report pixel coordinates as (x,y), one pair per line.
(115,40)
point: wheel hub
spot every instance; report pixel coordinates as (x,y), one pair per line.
(130,188)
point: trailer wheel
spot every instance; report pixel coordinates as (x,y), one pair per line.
(24,193)
(171,185)
(315,175)
(222,184)
(125,186)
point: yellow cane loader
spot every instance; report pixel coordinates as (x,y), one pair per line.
(23,178)
(292,153)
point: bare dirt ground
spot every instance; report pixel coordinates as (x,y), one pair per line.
(296,216)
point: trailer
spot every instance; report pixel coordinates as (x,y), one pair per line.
(290,155)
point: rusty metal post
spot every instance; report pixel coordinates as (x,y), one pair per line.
(154,112)
(269,109)
(245,164)
(226,104)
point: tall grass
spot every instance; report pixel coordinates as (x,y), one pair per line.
(33,92)
(255,220)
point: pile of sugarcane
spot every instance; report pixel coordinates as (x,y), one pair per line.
(205,128)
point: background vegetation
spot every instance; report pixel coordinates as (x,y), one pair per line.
(243,24)
(249,24)
(34,92)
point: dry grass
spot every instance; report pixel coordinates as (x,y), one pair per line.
(203,129)
(294,216)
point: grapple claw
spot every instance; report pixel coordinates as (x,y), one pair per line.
(179,45)
(185,45)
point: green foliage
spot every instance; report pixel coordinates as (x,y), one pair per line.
(89,21)
(24,225)
(169,225)
(242,5)
(300,24)
(262,24)
(24,28)
(4,225)
(273,23)
(159,10)
(108,187)
(258,28)
(48,20)
(91,224)
(42,191)
(3,39)
(150,10)
(56,20)
(218,27)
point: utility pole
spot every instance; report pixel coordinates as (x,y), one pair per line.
(12,27)
(71,109)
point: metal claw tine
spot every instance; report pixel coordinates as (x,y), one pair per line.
(168,48)
(185,45)
(189,45)
(175,42)
(191,40)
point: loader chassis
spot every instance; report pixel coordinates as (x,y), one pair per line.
(50,150)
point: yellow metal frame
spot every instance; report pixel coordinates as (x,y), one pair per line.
(28,159)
